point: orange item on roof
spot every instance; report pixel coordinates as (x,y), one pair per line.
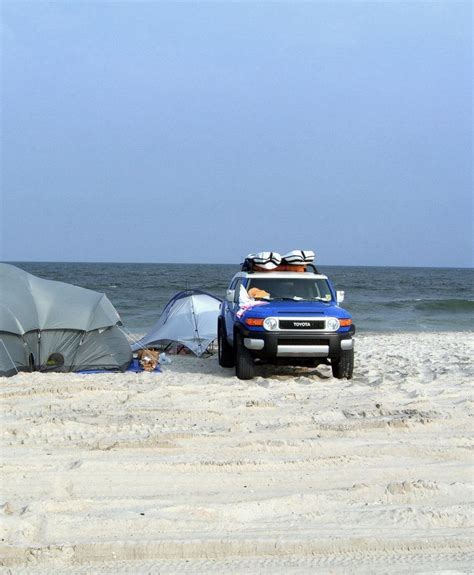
(282,268)
(291,268)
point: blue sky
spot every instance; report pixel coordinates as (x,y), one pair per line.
(198,132)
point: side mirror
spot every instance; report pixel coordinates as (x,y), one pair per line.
(229,296)
(339,296)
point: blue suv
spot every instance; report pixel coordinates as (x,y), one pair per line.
(284,317)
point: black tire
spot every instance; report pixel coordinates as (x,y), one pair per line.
(244,364)
(344,365)
(224,350)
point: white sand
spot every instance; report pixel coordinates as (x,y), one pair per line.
(194,471)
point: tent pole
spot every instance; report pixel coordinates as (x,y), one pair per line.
(38,363)
(195,325)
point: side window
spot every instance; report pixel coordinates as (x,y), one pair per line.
(237,290)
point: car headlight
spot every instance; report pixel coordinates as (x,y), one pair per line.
(270,323)
(332,324)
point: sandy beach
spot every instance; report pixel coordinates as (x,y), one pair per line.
(194,471)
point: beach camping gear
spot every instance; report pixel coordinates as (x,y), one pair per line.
(53,326)
(265,260)
(298,257)
(189,318)
(294,261)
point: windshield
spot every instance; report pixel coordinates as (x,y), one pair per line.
(289,288)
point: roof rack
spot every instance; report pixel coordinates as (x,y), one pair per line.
(248,266)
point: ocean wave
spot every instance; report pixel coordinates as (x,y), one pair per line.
(447,305)
(451,305)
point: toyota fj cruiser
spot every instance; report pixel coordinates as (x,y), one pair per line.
(284,317)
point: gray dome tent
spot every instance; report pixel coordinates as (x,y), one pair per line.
(50,325)
(189,318)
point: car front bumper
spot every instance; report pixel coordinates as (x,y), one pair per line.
(267,345)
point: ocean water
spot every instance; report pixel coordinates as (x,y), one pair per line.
(383,299)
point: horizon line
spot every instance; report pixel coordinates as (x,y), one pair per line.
(467,267)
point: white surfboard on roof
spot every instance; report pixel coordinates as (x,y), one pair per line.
(271,260)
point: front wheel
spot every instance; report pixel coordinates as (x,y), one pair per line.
(225,351)
(344,365)
(244,365)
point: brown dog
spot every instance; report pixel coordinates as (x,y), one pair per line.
(148,359)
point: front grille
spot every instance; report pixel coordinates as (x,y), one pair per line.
(306,341)
(302,324)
